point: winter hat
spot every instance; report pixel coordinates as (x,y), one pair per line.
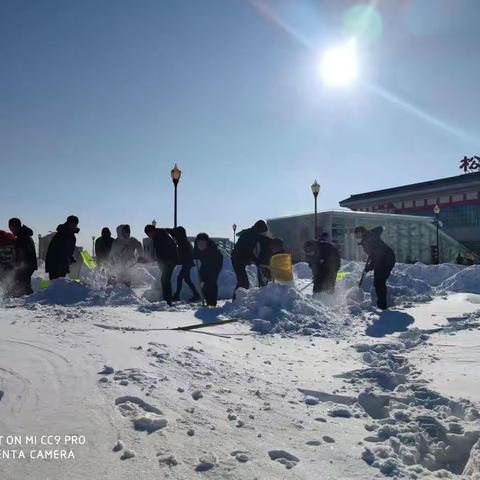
(202,236)
(260,226)
(106,232)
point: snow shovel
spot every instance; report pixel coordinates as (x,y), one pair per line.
(363,273)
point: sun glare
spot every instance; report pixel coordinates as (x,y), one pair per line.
(339,65)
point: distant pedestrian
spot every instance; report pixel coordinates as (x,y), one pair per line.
(324,260)
(459,260)
(60,253)
(185,260)
(25,258)
(166,254)
(243,254)
(211,262)
(103,246)
(381,260)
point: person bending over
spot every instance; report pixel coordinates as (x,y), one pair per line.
(211,262)
(381,259)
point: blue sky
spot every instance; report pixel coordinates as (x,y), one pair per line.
(98,100)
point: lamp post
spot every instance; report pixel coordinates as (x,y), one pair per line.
(315,191)
(93,246)
(234,228)
(436,211)
(175,174)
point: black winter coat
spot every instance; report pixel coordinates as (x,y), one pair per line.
(381,256)
(60,251)
(164,246)
(25,254)
(325,259)
(103,246)
(211,260)
(185,252)
(245,246)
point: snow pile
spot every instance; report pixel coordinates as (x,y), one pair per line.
(69,292)
(281,308)
(434,275)
(302,271)
(466,280)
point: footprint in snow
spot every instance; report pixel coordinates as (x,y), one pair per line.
(283,457)
(144,416)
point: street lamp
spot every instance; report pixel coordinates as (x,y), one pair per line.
(436,212)
(315,191)
(93,246)
(175,174)
(234,228)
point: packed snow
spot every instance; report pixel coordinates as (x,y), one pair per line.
(298,384)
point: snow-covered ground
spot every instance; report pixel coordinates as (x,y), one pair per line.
(299,388)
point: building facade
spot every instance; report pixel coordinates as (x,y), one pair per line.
(458,198)
(410,236)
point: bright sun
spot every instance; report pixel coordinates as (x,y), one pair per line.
(339,65)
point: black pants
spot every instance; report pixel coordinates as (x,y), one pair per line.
(210,286)
(166,280)
(324,281)
(380,284)
(184,276)
(57,274)
(22,283)
(239,267)
(263,275)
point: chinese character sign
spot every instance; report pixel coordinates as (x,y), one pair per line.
(469,165)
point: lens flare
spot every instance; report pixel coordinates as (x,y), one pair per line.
(339,65)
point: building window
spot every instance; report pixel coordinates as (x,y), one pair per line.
(431,201)
(408,204)
(457,198)
(472,195)
(444,199)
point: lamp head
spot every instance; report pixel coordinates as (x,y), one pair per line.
(436,209)
(315,188)
(176,173)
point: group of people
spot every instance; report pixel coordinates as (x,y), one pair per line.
(172,247)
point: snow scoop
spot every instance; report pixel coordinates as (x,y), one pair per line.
(89,262)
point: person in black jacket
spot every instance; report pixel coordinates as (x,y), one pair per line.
(244,252)
(166,254)
(381,260)
(211,262)
(324,260)
(61,249)
(185,259)
(103,246)
(25,257)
